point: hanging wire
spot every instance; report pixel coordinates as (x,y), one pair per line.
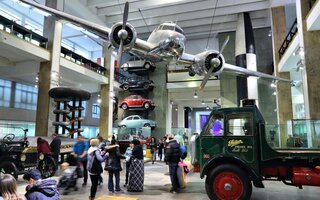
(144,20)
(120,7)
(214,12)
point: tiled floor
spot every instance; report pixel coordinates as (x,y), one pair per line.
(157,186)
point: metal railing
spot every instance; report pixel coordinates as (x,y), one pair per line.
(293,30)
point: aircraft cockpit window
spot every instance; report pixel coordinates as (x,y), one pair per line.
(160,27)
(165,27)
(179,30)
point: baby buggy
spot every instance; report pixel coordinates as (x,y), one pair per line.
(68,180)
(70,174)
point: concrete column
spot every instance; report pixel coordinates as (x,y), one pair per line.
(309,42)
(284,100)
(180,116)
(49,73)
(169,115)
(104,111)
(106,105)
(160,97)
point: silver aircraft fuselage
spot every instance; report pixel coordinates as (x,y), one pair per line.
(167,42)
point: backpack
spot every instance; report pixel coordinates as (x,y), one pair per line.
(183,152)
(96,167)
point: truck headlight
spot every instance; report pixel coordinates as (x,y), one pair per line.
(41,156)
(23,157)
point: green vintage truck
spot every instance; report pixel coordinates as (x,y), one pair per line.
(238,155)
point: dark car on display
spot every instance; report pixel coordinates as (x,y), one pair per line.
(135,121)
(135,64)
(133,102)
(136,84)
(16,157)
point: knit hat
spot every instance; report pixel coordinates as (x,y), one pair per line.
(32,173)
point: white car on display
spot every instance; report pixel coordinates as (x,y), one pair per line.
(135,64)
(135,121)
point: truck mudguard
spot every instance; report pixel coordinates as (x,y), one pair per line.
(229,159)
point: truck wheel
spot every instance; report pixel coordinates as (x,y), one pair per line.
(47,166)
(228,182)
(9,168)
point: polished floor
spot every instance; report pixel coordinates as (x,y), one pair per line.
(157,186)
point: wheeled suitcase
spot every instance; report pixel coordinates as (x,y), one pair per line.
(136,176)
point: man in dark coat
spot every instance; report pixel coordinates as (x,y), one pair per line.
(40,189)
(172,156)
(55,148)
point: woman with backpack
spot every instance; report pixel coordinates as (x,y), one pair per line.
(95,157)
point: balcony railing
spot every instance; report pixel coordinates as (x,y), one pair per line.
(68,54)
(22,32)
(293,30)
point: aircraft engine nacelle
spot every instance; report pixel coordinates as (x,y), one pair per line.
(130,39)
(206,60)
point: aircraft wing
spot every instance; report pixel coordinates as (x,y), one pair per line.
(105,33)
(95,28)
(228,68)
(187,59)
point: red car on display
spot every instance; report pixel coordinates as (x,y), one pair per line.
(137,102)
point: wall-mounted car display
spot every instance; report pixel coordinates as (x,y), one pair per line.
(133,83)
(135,64)
(136,102)
(135,121)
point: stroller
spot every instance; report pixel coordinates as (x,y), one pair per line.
(70,174)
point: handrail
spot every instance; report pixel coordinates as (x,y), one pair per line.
(26,34)
(285,44)
(83,61)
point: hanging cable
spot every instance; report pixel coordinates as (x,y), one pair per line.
(120,7)
(214,12)
(144,20)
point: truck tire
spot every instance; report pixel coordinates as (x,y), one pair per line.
(47,166)
(228,181)
(9,168)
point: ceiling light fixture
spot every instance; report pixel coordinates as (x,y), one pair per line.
(203,102)
(273,84)
(207,108)
(195,95)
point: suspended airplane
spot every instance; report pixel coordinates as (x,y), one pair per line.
(165,43)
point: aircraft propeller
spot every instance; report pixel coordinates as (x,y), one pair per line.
(214,62)
(123,34)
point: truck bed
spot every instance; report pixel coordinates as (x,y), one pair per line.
(317,151)
(302,157)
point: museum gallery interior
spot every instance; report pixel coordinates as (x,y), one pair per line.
(142,69)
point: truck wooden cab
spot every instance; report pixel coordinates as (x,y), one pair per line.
(232,152)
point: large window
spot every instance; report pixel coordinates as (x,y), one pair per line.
(240,124)
(95,111)
(215,126)
(26,97)
(5,93)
